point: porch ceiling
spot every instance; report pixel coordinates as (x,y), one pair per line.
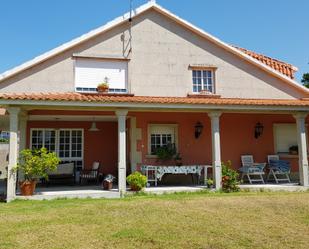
(97,118)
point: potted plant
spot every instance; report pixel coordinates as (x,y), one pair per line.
(103,87)
(178,159)
(293,150)
(108,182)
(137,181)
(210,183)
(166,152)
(35,164)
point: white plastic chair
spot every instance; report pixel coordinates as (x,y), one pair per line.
(277,173)
(253,171)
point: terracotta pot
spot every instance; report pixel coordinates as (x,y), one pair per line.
(293,152)
(178,162)
(134,188)
(107,185)
(27,187)
(102,89)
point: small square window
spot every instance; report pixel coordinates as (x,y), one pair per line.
(203,80)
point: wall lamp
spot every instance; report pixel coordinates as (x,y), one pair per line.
(258,130)
(198,129)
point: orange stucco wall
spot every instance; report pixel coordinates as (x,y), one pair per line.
(237,136)
(98,146)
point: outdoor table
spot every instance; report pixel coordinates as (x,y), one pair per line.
(155,173)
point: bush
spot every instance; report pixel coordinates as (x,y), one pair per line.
(137,181)
(37,163)
(229,178)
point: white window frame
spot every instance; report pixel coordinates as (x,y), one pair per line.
(202,79)
(173,126)
(57,136)
(276,136)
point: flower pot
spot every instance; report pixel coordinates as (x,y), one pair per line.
(102,89)
(134,188)
(107,185)
(293,152)
(178,162)
(27,187)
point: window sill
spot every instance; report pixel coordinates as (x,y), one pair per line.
(287,155)
(202,95)
(149,156)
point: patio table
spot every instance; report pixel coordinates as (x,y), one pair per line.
(155,173)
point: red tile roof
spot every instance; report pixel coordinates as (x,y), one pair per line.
(280,66)
(110,98)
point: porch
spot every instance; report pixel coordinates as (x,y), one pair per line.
(124,140)
(95,191)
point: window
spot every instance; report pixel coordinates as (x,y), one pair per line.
(67,143)
(161,135)
(43,138)
(91,72)
(203,80)
(285,136)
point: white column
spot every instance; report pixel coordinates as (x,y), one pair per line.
(302,148)
(121,114)
(216,150)
(13,152)
(22,138)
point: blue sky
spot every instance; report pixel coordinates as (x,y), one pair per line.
(277,28)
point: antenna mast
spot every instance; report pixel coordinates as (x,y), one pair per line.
(130,28)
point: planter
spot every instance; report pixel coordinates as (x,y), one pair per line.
(178,162)
(293,152)
(102,89)
(27,187)
(135,188)
(107,185)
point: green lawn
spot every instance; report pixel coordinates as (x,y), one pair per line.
(198,220)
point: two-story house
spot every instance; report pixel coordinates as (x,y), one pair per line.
(169,82)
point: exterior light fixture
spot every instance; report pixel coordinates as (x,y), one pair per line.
(93,126)
(258,130)
(198,129)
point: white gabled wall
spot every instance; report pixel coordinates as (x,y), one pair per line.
(162,51)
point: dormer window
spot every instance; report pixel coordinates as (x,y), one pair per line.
(90,72)
(203,80)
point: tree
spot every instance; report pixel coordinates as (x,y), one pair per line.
(305,80)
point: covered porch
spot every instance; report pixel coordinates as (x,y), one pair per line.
(127,135)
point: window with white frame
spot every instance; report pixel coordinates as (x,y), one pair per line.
(43,138)
(160,135)
(203,80)
(67,143)
(285,136)
(89,73)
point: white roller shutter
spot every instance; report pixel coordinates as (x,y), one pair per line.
(91,72)
(285,136)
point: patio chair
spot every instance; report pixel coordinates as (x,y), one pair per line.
(90,174)
(253,171)
(278,169)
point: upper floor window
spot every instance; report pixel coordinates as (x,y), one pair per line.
(203,80)
(90,72)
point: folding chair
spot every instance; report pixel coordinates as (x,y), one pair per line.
(253,171)
(278,169)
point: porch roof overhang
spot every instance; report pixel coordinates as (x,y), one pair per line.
(74,99)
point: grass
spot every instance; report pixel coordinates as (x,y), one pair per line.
(196,220)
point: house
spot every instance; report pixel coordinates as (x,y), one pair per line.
(166,76)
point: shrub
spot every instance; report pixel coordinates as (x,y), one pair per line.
(37,163)
(137,181)
(229,178)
